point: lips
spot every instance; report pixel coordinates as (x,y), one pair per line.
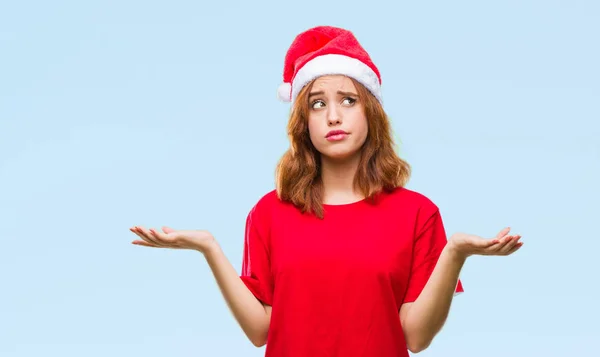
(336,132)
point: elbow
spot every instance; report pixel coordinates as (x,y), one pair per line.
(257,329)
(258,343)
(419,336)
(416,345)
(258,339)
(414,348)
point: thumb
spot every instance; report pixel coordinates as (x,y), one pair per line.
(168,230)
(503,232)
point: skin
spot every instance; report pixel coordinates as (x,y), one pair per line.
(424,318)
(330,110)
(335,105)
(252,316)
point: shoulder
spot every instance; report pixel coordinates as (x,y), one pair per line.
(267,201)
(411,199)
(267,210)
(267,204)
(411,206)
(414,208)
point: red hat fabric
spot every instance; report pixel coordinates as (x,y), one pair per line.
(326,50)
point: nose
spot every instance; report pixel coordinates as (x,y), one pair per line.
(333,116)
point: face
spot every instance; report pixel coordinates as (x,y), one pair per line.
(336,122)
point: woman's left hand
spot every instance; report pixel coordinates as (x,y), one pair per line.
(465,245)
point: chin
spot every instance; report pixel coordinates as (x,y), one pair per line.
(339,155)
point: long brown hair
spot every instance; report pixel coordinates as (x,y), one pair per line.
(298,178)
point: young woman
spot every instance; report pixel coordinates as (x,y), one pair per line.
(340,259)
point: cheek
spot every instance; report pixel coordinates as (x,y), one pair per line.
(314,129)
(363,129)
(311,129)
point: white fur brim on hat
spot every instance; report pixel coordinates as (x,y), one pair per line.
(330,65)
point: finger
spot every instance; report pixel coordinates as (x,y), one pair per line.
(168,230)
(144,243)
(515,248)
(163,238)
(145,235)
(495,249)
(135,230)
(486,243)
(509,245)
(503,233)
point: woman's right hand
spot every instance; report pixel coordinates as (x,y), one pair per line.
(249,312)
(199,240)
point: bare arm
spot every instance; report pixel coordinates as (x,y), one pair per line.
(424,318)
(252,316)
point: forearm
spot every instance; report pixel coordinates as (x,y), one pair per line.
(426,316)
(248,311)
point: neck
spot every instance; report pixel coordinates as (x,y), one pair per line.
(338,180)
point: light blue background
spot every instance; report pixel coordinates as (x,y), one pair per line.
(118,113)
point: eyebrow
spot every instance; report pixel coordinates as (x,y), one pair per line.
(338,92)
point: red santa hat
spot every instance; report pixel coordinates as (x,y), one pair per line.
(326,50)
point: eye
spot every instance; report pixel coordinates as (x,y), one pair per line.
(314,104)
(349,100)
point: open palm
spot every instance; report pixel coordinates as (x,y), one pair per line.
(176,239)
(469,244)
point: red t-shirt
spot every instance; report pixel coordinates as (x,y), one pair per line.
(336,285)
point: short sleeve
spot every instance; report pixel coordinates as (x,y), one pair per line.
(429,242)
(256,267)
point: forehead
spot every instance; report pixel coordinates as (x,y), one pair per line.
(334,82)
